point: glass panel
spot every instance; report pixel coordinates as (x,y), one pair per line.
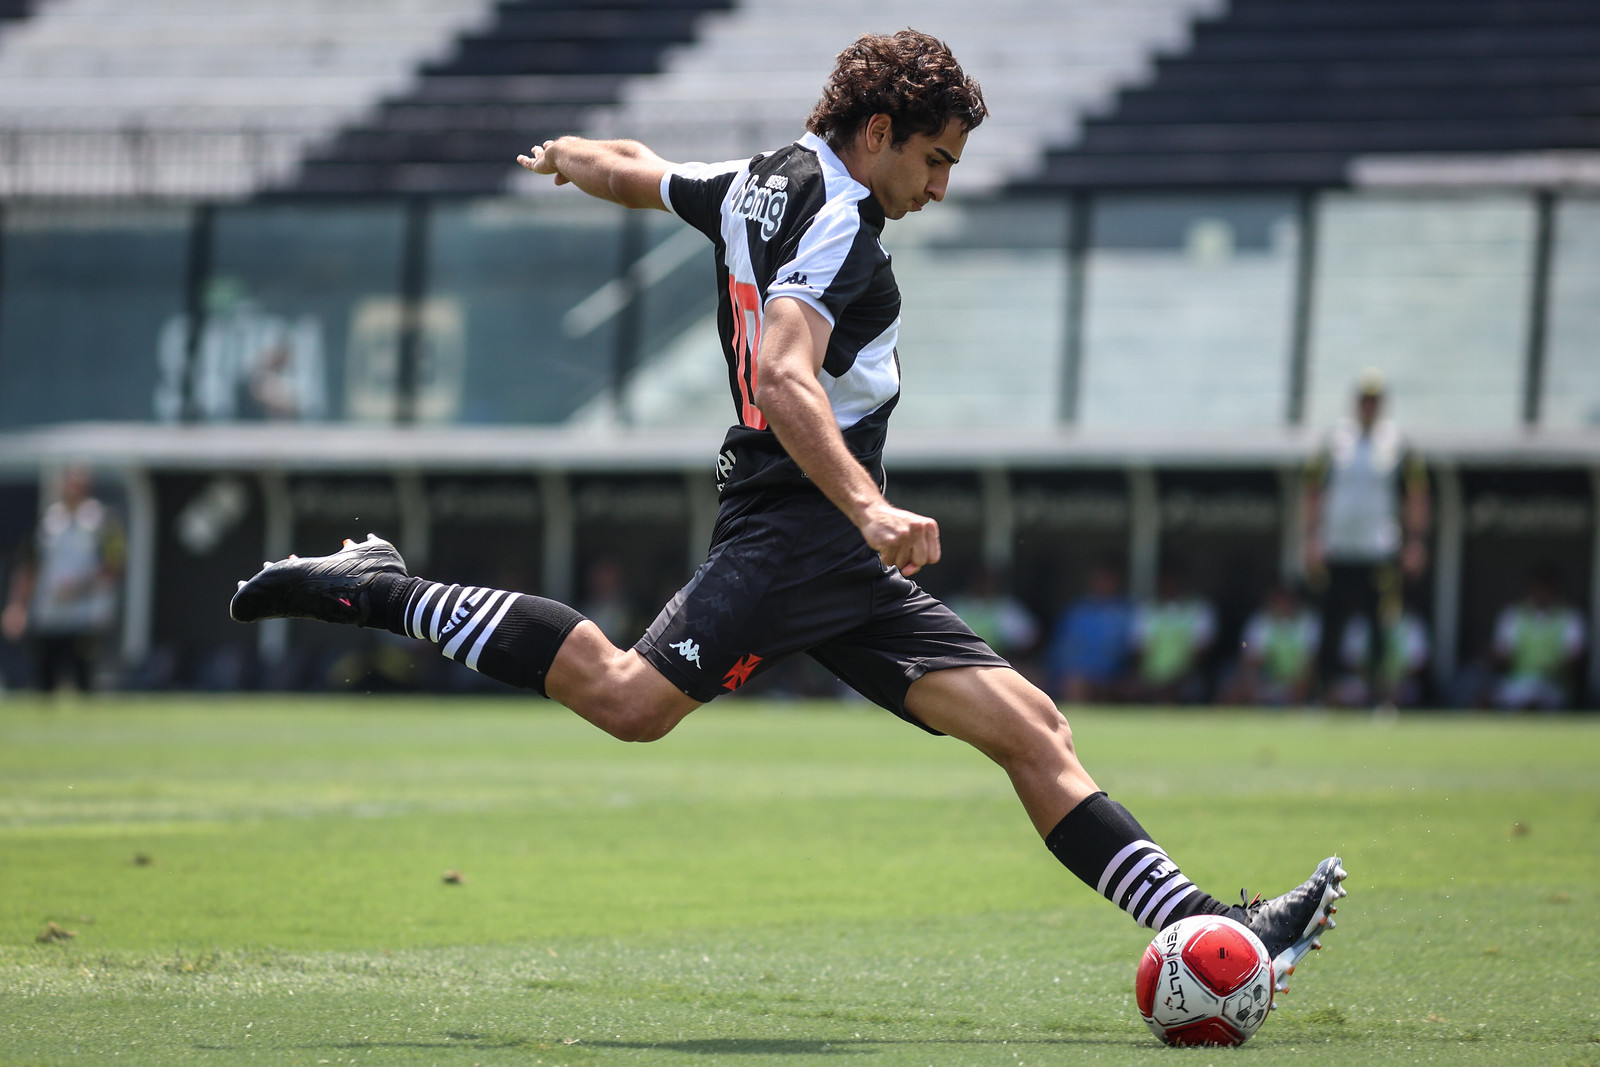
(1433,291)
(528,285)
(302,313)
(1187,311)
(983,289)
(89,292)
(680,377)
(1572,358)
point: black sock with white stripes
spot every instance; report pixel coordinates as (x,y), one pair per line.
(1106,847)
(510,637)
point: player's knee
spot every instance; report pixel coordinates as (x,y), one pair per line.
(640,728)
(631,719)
(1040,733)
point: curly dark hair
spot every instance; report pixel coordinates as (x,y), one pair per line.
(911,77)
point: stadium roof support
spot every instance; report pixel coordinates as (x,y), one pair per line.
(332,448)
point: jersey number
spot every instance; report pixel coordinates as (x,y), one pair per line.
(746,342)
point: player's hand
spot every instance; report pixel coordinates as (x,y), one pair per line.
(14,621)
(1315,558)
(902,538)
(1414,558)
(538,160)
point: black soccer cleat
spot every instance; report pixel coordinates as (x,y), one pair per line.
(332,588)
(1292,925)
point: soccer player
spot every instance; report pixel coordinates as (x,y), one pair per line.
(807,555)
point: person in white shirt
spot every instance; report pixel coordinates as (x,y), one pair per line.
(63,590)
(1367,517)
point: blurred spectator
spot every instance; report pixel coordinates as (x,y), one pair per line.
(1404,657)
(606,601)
(1537,643)
(64,588)
(1280,643)
(1359,540)
(382,663)
(1088,653)
(1003,621)
(1171,636)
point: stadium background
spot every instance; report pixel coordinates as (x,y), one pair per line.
(267,268)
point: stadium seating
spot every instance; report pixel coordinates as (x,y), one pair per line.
(752,78)
(437,95)
(1289,91)
(194,97)
(534,72)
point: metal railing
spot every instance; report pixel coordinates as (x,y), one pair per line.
(147,161)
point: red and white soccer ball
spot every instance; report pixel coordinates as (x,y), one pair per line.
(1204,980)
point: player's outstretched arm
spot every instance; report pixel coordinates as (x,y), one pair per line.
(624,172)
(794,339)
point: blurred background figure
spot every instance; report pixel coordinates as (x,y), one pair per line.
(1003,621)
(1402,660)
(1280,645)
(64,586)
(1537,645)
(606,601)
(1171,636)
(1360,539)
(1088,655)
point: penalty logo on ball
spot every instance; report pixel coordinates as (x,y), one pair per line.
(1205,980)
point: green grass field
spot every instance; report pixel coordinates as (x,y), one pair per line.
(262,880)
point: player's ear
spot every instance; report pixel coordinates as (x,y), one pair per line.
(878,132)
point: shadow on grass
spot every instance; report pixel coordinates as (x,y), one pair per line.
(710,1046)
(751,1046)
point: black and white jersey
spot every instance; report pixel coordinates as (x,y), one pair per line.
(794,223)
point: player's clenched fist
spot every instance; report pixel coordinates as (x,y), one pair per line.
(902,538)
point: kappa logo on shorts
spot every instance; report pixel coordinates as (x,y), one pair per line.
(688,650)
(740,672)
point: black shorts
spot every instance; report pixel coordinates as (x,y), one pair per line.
(789,573)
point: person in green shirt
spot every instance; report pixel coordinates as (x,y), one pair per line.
(1537,643)
(1171,635)
(1401,661)
(1280,647)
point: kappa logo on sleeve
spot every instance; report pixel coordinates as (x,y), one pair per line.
(688,650)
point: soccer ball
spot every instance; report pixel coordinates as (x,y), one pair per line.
(1204,980)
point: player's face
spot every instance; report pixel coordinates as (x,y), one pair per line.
(1367,407)
(907,177)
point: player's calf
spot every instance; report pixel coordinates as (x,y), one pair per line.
(511,637)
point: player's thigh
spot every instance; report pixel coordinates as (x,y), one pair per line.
(994,709)
(781,579)
(905,634)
